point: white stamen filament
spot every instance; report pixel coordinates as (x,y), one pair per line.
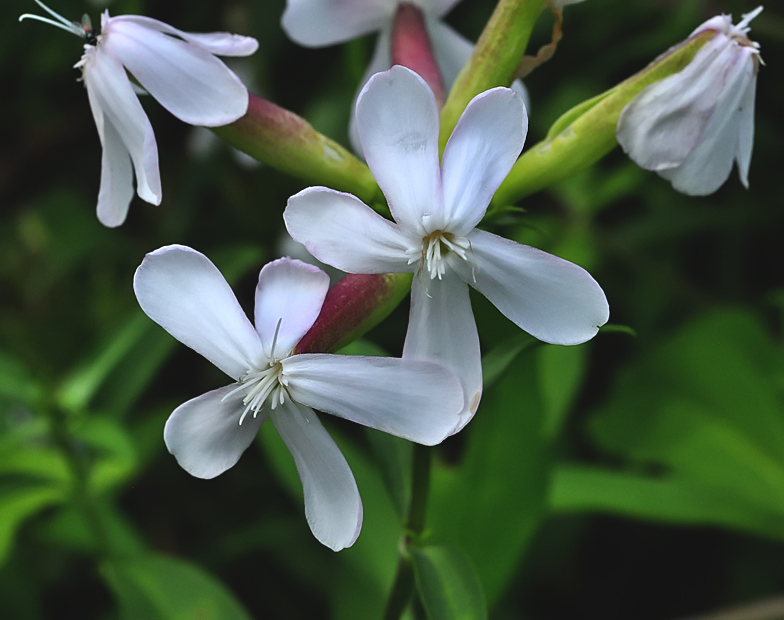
(433,257)
(62,23)
(259,385)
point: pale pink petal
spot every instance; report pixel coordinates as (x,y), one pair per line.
(181,290)
(552,299)
(205,435)
(415,400)
(116,190)
(340,230)
(186,79)
(114,103)
(290,292)
(480,153)
(746,131)
(220,43)
(333,507)
(441,329)
(397,120)
(317,23)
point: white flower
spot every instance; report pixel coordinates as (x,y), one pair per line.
(318,23)
(182,291)
(177,68)
(691,126)
(436,210)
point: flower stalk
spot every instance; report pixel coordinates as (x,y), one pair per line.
(586,133)
(289,143)
(495,59)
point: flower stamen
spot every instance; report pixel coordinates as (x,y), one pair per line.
(83,29)
(433,257)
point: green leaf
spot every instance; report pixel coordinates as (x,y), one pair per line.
(115,452)
(561,371)
(20,503)
(495,362)
(394,457)
(448,584)
(669,499)
(491,502)
(16,382)
(157,587)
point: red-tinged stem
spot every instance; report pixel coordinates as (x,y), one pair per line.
(354,305)
(411,48)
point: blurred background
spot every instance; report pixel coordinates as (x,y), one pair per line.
(638,476)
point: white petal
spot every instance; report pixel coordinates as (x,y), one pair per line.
(316,23)
(397,119)
(441,329)
(205,435)
(664,123)
(480,153)
(415,400)
(114,103)
(181,290)
(333,507)
(451,49)
(440,7)
(709,165)
(552,299)
(116,191)
(291,292)
(746,131)
(220,43)
(340,230)
(186,79)
(381,61)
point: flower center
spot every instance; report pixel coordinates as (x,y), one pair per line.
(434,251)
(260,385)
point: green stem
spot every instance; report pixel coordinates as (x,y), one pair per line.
(403,586)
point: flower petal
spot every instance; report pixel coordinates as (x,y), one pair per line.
(181,290)
(441,329)
(552,299)
(480,153)
(415,400)
(709,165)
(397,120)
(746,131)
(340,230)
(333,507)
(220,43)
(451,49)
(664,123)
(186,79)
(316,23)
(205,435)
(114,103)
(440,7)
(291,292)
(116,190)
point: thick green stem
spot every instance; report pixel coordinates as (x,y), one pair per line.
(495,59)
(403,586)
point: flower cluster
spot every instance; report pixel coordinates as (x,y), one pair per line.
(689,127)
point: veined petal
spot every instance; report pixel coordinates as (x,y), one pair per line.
(480,153)
(116,191)
(291,292)
(709,165)
(397,120)
(552,299)
(185,78)
(333,507)
(441,329)
(114,103)
(205,435)
(381,61)
(181,290)
(451,49)
(220,43)
(316,23)
(415,400)
(340,230)
(664,123)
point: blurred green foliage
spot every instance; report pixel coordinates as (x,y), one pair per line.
(631,477)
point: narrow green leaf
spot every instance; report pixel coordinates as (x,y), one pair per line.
(448,584)
(157,587)
(20,503)
(394,456)
(496,361)
(16,381)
